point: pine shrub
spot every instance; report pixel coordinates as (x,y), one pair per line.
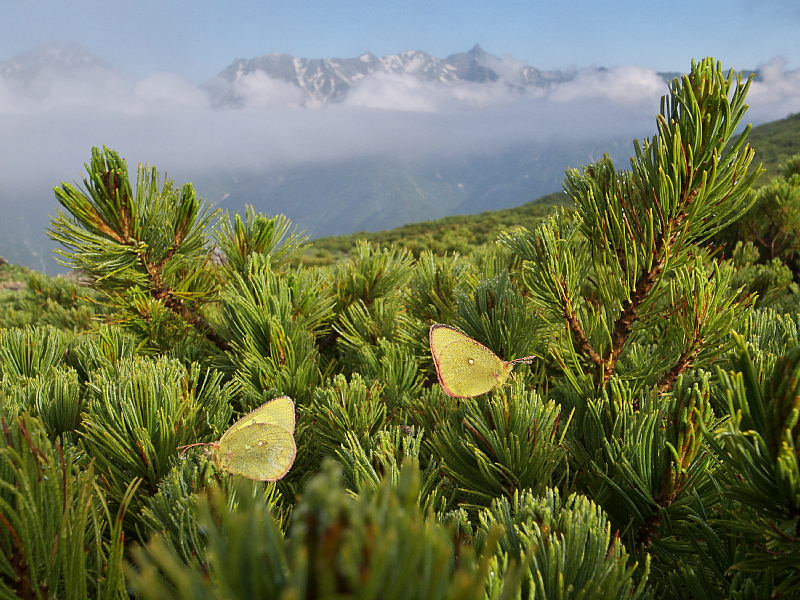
(649,449)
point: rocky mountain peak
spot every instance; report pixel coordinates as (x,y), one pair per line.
(329,80)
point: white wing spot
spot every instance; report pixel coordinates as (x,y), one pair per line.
(470,361)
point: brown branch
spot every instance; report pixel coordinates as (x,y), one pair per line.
(684,363)
(574,325)
(104,227)
(168,256)
(175,303)
(629,315)
(630,307)
(580,336)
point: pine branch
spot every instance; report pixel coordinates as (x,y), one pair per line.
(177,306)
(629,315)
(644,286)
(175,303)
(155,240)
(684,363)
(574,325)
(54,537)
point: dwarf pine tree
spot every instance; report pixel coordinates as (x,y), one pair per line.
(649,451)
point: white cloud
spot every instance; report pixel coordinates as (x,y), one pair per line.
(633,86)
(776,93)
(49,123)
(257,90)
(165,90)
(96,88)
(507,67)
(393,91)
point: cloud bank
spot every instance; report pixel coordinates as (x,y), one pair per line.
(49,121)
(51,117)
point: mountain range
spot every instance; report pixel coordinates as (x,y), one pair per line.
(319,81)
(329,80)
(378,167)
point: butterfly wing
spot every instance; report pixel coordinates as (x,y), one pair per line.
(260,451)
(465,367)
(279,411)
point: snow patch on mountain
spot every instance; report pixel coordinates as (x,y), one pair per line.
(358,80)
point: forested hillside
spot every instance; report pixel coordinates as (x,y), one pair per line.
(460,233)
(590,401)
(774,142)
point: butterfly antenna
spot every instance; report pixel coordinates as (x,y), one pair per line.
(183,449)
(525,359)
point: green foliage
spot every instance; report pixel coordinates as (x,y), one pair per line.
(365,462)
(757,448)
(338,411)
(330,551)
(776,142)
(512,441)
(497,314)
(58,539)
(31,351)
(394,369)
(101,349)
(272,323)
(770,282)
(29,298)
(791,167)
(646,451)
(360,326)
(774,223)
(239,239)
(568,545)
(172,512)
(55,396)
(140,412)
(372,273)
(436,285)
(643,462)
(769,336)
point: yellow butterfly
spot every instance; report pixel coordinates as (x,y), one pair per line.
(260,445)
(465,367)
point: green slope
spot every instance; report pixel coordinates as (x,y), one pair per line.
(774,142)
(458,233)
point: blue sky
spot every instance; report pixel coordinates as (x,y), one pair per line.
(198,38)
